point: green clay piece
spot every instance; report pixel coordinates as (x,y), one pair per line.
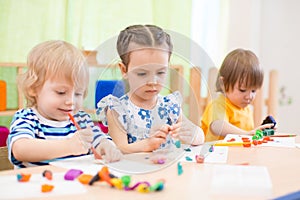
(126,180)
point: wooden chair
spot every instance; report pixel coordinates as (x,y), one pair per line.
(270,102)
(4,162)
(20,67)
(197,103)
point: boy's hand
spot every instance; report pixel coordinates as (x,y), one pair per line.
(109,150)
(82,141)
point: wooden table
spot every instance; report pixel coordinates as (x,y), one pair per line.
(283,165)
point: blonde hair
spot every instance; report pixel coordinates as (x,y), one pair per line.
(142,36)
(53,59)
(240,66)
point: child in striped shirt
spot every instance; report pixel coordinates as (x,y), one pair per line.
(55,86)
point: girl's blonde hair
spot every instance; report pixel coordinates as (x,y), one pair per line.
(240,66)
(53,59)
(142,36)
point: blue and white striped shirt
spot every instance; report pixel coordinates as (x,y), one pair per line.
(28,123)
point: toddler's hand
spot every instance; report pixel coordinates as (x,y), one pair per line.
(262,127)
(109,150)
(82,141)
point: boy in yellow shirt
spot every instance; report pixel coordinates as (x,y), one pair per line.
(239,77)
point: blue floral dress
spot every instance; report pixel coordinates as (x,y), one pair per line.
(137,121)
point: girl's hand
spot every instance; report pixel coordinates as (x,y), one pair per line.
(82,140)
(187,132)
(109,150)
(158,135)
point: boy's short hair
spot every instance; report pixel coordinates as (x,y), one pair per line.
(240,66)
(53,59)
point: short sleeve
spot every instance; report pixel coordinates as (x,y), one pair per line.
(113,103)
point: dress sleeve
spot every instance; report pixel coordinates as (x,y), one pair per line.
(113,103)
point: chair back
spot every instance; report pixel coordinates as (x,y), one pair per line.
(4,162)
(3,135)
(106,87)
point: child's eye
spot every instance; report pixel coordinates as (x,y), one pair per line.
(242,90)
(60,92)
(161,73)
(141,73)
(78,94)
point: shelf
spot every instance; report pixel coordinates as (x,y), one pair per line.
(7,113)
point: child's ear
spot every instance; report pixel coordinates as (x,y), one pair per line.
(123,69)
(32,93)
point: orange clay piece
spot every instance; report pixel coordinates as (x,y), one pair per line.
(245,139)
(48,174)
(259,142)
(255,142)
(84,178)
(231,140)
(47,188)
(247,144)
(23,177)
(267,138)
(199,159)
(104,175)
(245,163)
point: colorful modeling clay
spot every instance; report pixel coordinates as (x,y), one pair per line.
(85,178)
(72,174)
(47,188)
(124,182)
(199,159)
(178,144)
(47,174)
(179,168)
(188,158)
(23,177)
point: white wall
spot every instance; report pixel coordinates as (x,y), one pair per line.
(280,49)
(271,28)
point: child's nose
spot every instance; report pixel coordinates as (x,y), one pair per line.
(250,95)
(70,99)
(152,80)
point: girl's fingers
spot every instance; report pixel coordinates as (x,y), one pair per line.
(165,128)
(176,126)
(160,134)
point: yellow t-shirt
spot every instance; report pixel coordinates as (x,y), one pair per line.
(222,109)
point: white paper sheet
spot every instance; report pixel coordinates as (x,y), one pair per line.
(130,164)
(239,180)
(278,141)
(10,188)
